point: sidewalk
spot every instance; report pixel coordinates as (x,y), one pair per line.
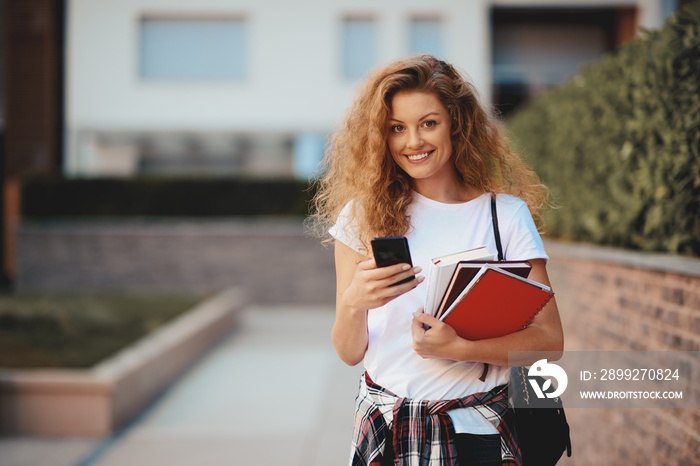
(272,393)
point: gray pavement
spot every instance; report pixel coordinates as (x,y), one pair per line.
(33,451)
(272,393)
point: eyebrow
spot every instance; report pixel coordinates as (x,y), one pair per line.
(420,119)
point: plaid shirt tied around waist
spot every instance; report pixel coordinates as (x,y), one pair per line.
(423,433)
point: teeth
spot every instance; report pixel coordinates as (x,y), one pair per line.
(418,156)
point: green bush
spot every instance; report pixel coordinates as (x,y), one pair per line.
(58,196)
(61,330)
(619,144)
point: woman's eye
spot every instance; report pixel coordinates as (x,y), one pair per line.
(396,129)
(429,123)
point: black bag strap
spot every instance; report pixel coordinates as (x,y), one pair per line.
(499,246)
(496,232)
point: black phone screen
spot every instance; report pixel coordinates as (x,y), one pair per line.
(392,250)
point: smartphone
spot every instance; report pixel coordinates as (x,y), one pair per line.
(390,250)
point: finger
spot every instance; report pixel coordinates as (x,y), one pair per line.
(386,276)
(398,290)
(417,327)
(408,275)
(385,272)
(368,264)
(426,319)
(389,279)
(389,293)
(419,320)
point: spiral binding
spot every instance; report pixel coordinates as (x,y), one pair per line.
(532,317)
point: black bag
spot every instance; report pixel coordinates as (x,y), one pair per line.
(540,424)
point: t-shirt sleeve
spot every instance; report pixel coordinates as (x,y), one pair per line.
(345,230)
(522,240)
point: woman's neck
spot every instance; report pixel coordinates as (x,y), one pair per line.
(446,193)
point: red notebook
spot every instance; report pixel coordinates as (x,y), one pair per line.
(465,273)
(496,303)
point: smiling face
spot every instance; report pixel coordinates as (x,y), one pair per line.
(419,138)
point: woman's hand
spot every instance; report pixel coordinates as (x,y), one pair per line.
(438,341)
(361,286)
(371,287)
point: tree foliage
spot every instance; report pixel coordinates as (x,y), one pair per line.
(619,144)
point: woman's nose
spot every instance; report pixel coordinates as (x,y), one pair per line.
(414,139)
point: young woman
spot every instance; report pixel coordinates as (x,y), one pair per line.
(417,156)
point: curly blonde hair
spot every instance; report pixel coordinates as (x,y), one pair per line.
(359,168)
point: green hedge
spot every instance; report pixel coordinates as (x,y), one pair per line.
(79,330)
(619,144)
(57,196)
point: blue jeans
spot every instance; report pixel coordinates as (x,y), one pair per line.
(472,450)
(482,450)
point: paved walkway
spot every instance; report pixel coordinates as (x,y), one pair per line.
(272,393)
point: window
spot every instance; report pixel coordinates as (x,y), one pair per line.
(534,49)
(359,46)
(193,49)
(426,36)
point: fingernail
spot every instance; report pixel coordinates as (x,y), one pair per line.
(417,270)
(406,267)
(421,278)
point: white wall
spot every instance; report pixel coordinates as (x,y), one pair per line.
(294,83)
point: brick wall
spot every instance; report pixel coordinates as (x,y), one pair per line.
(611,300)
(272,260)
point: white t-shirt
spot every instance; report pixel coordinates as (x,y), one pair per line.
(439,229)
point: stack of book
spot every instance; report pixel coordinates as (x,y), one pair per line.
(482,298)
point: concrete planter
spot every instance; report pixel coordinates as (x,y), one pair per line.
(96,401)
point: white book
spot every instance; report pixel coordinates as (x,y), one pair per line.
(441,270)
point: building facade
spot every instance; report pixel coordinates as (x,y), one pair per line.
(253,87)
